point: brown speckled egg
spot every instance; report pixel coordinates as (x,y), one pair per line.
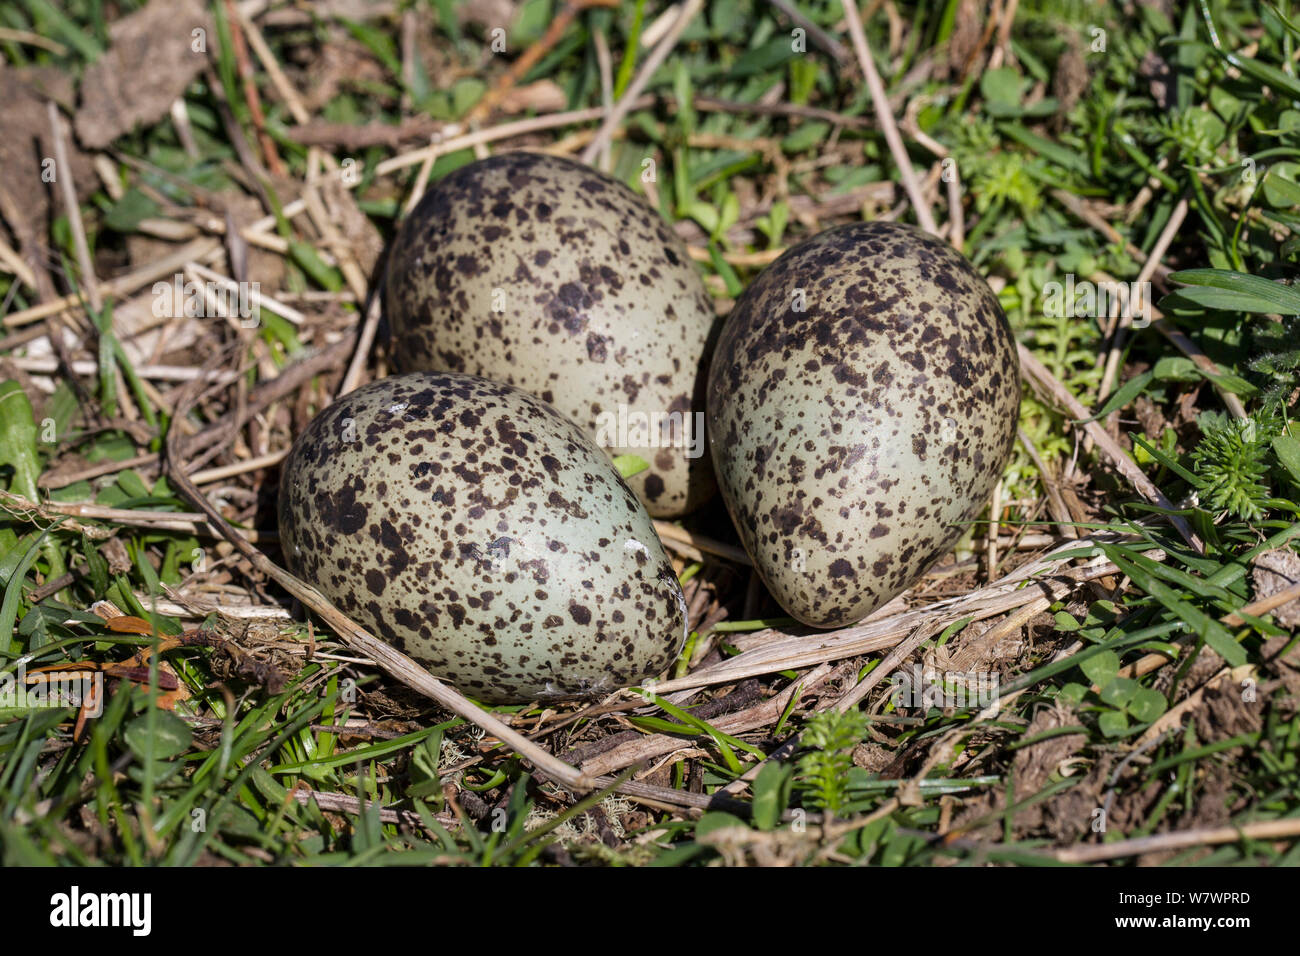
(862,402)
(476,529)
(543,273)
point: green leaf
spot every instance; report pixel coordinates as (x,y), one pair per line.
(682,93)
(50,18)
(1073,693)
(1176,368)
(629,465)
(1118,691)
(378,42)
(771,794)
(1001,89)
(761,60)
(1248,293)
(1113,723)
(1101,668)
(704,214)
(724,270)
(1287,450)
(126,213)
(1281,186)
(805,137)
(465,94)
(1215,634)
(1147,705)
(898,848)
(1122,396)
(1065,622)
(306,257)
(1264,73)
(171,736)
(717,820)
(18,447)
(1055,152)
(630,48)
(530,22)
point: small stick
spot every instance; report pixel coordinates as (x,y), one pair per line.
(890,663)
(13,262)
(1085,212)
(1263,605)
(1056,504)
(422,180)
(331,237)
(761,258)
(160,520)
(32,39)
(606,70)
(1155,661)
(281,83)
(648,68)
(460,141)
(255,296)
(529,58)
(67,187)
(820,37)
(1148,269)
(991,538)
(159,373)
(885,117)
(673,532)
(54,480)
(357,366)
(1189,348)
(1039,376)
(251,97)
(1181,840)
(209,475)
(956,217)
(196,251)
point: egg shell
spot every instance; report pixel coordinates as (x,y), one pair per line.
(482,533)
(546,274)
(863,402)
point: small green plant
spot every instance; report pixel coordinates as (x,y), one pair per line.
(824,770)
(1278,364)
(1231,463)
(1121,698)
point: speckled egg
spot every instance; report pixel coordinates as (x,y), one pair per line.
(863,402)
(543,273)
(476,529)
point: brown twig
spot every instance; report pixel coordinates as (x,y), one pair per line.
(1050,388)
(648,68)
(528,59)
(1181,840)
(1125,321)
(820,37)
(885,118)
(251,97)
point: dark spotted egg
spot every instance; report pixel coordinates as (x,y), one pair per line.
(862,405)
(476,529)
(543,273)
